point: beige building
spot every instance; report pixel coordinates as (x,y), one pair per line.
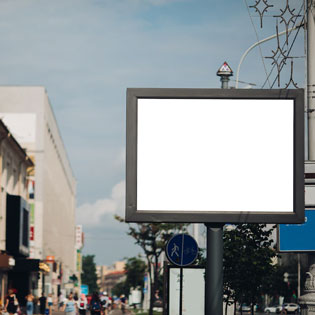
(109,276)
(14,167)
(52,186)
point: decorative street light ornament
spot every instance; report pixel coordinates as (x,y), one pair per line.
(225,70)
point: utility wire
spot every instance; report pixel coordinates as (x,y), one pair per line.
(296,34)
(257,38)
(282,49)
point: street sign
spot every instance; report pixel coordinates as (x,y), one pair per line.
(84,289)
(298,237)
(225,70)
(206,155)
(182,250)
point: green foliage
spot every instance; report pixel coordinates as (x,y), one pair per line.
(88,275)
(152,238)
(120,288)
(248,268)
(201,259)
(288,289)
(141,312)
(135,268)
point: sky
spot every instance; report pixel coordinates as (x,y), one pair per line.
(88,52)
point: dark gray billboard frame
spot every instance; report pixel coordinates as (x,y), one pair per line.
(134,215)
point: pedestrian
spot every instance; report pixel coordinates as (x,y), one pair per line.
(11,304)
(82,304)
(50,303)
(283,311)
(36,304)
(123,303)
(70,306)
(42,304)
(29,304)
(157,302)
(61,300)
(109,303)
(104,302)
(95,304)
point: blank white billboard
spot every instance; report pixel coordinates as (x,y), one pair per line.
(215,155)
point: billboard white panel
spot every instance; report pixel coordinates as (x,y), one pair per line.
(215,154)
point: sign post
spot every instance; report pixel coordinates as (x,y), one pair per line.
(181,250)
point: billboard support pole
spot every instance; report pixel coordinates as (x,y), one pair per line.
(214,266)
(214,269)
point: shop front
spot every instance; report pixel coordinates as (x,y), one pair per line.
(7,262)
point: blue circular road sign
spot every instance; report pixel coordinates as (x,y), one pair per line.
(182,250)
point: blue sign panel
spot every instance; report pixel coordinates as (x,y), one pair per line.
(85,289)
(298,237)
(182,250)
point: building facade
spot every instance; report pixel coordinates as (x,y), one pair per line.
(14,210)
(109,276)
(51,184)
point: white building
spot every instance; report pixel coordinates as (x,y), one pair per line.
(28,114)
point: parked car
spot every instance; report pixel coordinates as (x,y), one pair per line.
(292,308)
(245,308)
(273,309)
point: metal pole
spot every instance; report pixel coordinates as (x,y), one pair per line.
(299,276)
(181,291)
(214,270)
(311,77)
(224,82)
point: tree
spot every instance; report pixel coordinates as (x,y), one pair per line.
(135,268)
(120,288)
(152,238)
(288,264)
(248,267)
(88,275)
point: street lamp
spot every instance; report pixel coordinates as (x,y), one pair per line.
(256,44)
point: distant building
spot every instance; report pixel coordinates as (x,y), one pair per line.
(51,185)
(14,210)
(112,278)
(109,276)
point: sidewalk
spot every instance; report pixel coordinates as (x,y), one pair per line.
(112,312)
(119,312)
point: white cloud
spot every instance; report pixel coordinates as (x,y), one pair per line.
(101,212)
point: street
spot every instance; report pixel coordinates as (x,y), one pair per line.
(128,312)
(112,312)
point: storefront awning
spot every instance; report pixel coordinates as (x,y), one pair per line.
(44,267)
